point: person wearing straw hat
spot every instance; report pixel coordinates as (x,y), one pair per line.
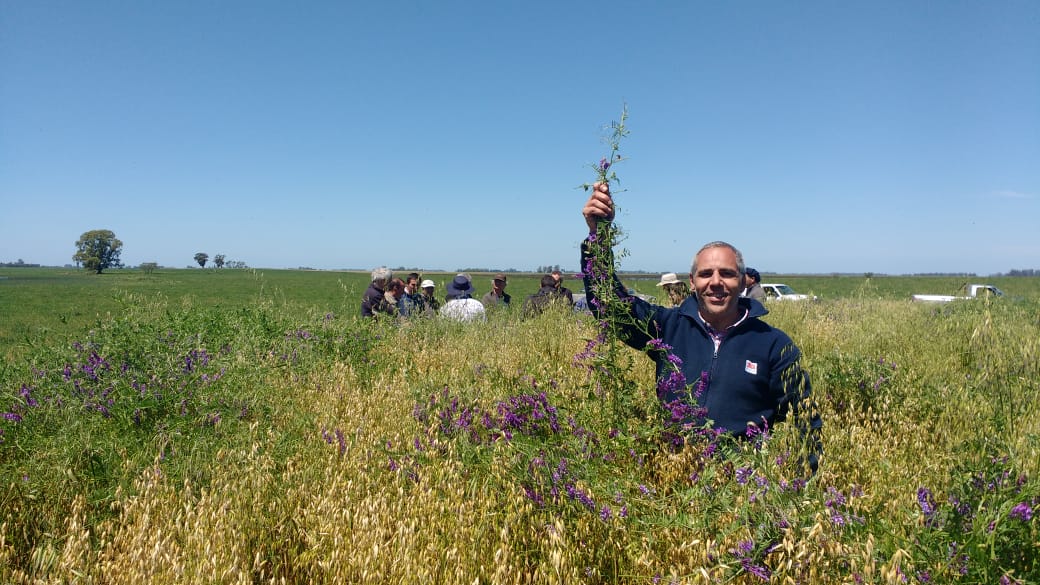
(676,289)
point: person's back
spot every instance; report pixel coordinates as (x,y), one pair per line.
(546,296)
(461,306)
(562,291)
(464,308)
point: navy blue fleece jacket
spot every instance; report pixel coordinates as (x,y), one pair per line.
(754,376)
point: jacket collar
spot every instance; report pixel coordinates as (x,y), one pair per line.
(754,308)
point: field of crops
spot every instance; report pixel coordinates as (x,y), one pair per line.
(203,426)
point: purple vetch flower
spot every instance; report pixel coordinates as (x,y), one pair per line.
(744,474)
(29,400)
(342,441)
(759,571)
(534,496)
(13,417)
(604,164)
(701,386)
(604,513)
(671,384)
(657,343)
(1022,511)
(926,502)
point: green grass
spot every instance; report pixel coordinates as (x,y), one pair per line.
(50,304)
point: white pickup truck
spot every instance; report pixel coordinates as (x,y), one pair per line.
(968,291)
(782,292)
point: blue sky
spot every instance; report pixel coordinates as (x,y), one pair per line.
(887,137)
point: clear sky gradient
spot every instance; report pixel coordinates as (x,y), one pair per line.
(887,137)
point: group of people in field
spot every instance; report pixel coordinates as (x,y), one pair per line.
(711,347)
(408,297)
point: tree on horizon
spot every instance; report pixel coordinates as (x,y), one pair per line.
(97,250)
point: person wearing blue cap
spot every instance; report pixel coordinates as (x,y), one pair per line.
(754,288)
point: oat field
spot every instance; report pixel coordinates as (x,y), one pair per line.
(267,438)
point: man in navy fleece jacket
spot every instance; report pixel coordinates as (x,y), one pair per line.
(751,369)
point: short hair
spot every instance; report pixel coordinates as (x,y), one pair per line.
(396,283)
(382,274)
(412,276)
(719,244)
(548,280)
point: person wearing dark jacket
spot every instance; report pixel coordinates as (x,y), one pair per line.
(374,302)
(561,290)
(547,295)
(752,370)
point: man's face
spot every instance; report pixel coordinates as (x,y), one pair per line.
(397,290)
(499,285)
(428,291)
(718,283)
(412,286)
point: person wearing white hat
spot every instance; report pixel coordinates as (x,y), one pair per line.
(430,301)
(676,289)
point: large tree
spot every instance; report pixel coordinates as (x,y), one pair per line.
(97,250)
(219,260)
(202,258)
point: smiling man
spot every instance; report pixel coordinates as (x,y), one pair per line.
(753,372)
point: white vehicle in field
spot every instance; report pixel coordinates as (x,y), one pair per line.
(968,291)
(782,292)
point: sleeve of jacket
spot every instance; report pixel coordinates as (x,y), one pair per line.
(634,316)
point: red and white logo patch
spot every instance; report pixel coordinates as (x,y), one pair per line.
(750,367)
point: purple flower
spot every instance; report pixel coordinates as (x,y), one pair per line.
(926,502)
(743,474)
(342,441)
(657,343)
(1023,512)
(29,400)
(11,416)
(604,164)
